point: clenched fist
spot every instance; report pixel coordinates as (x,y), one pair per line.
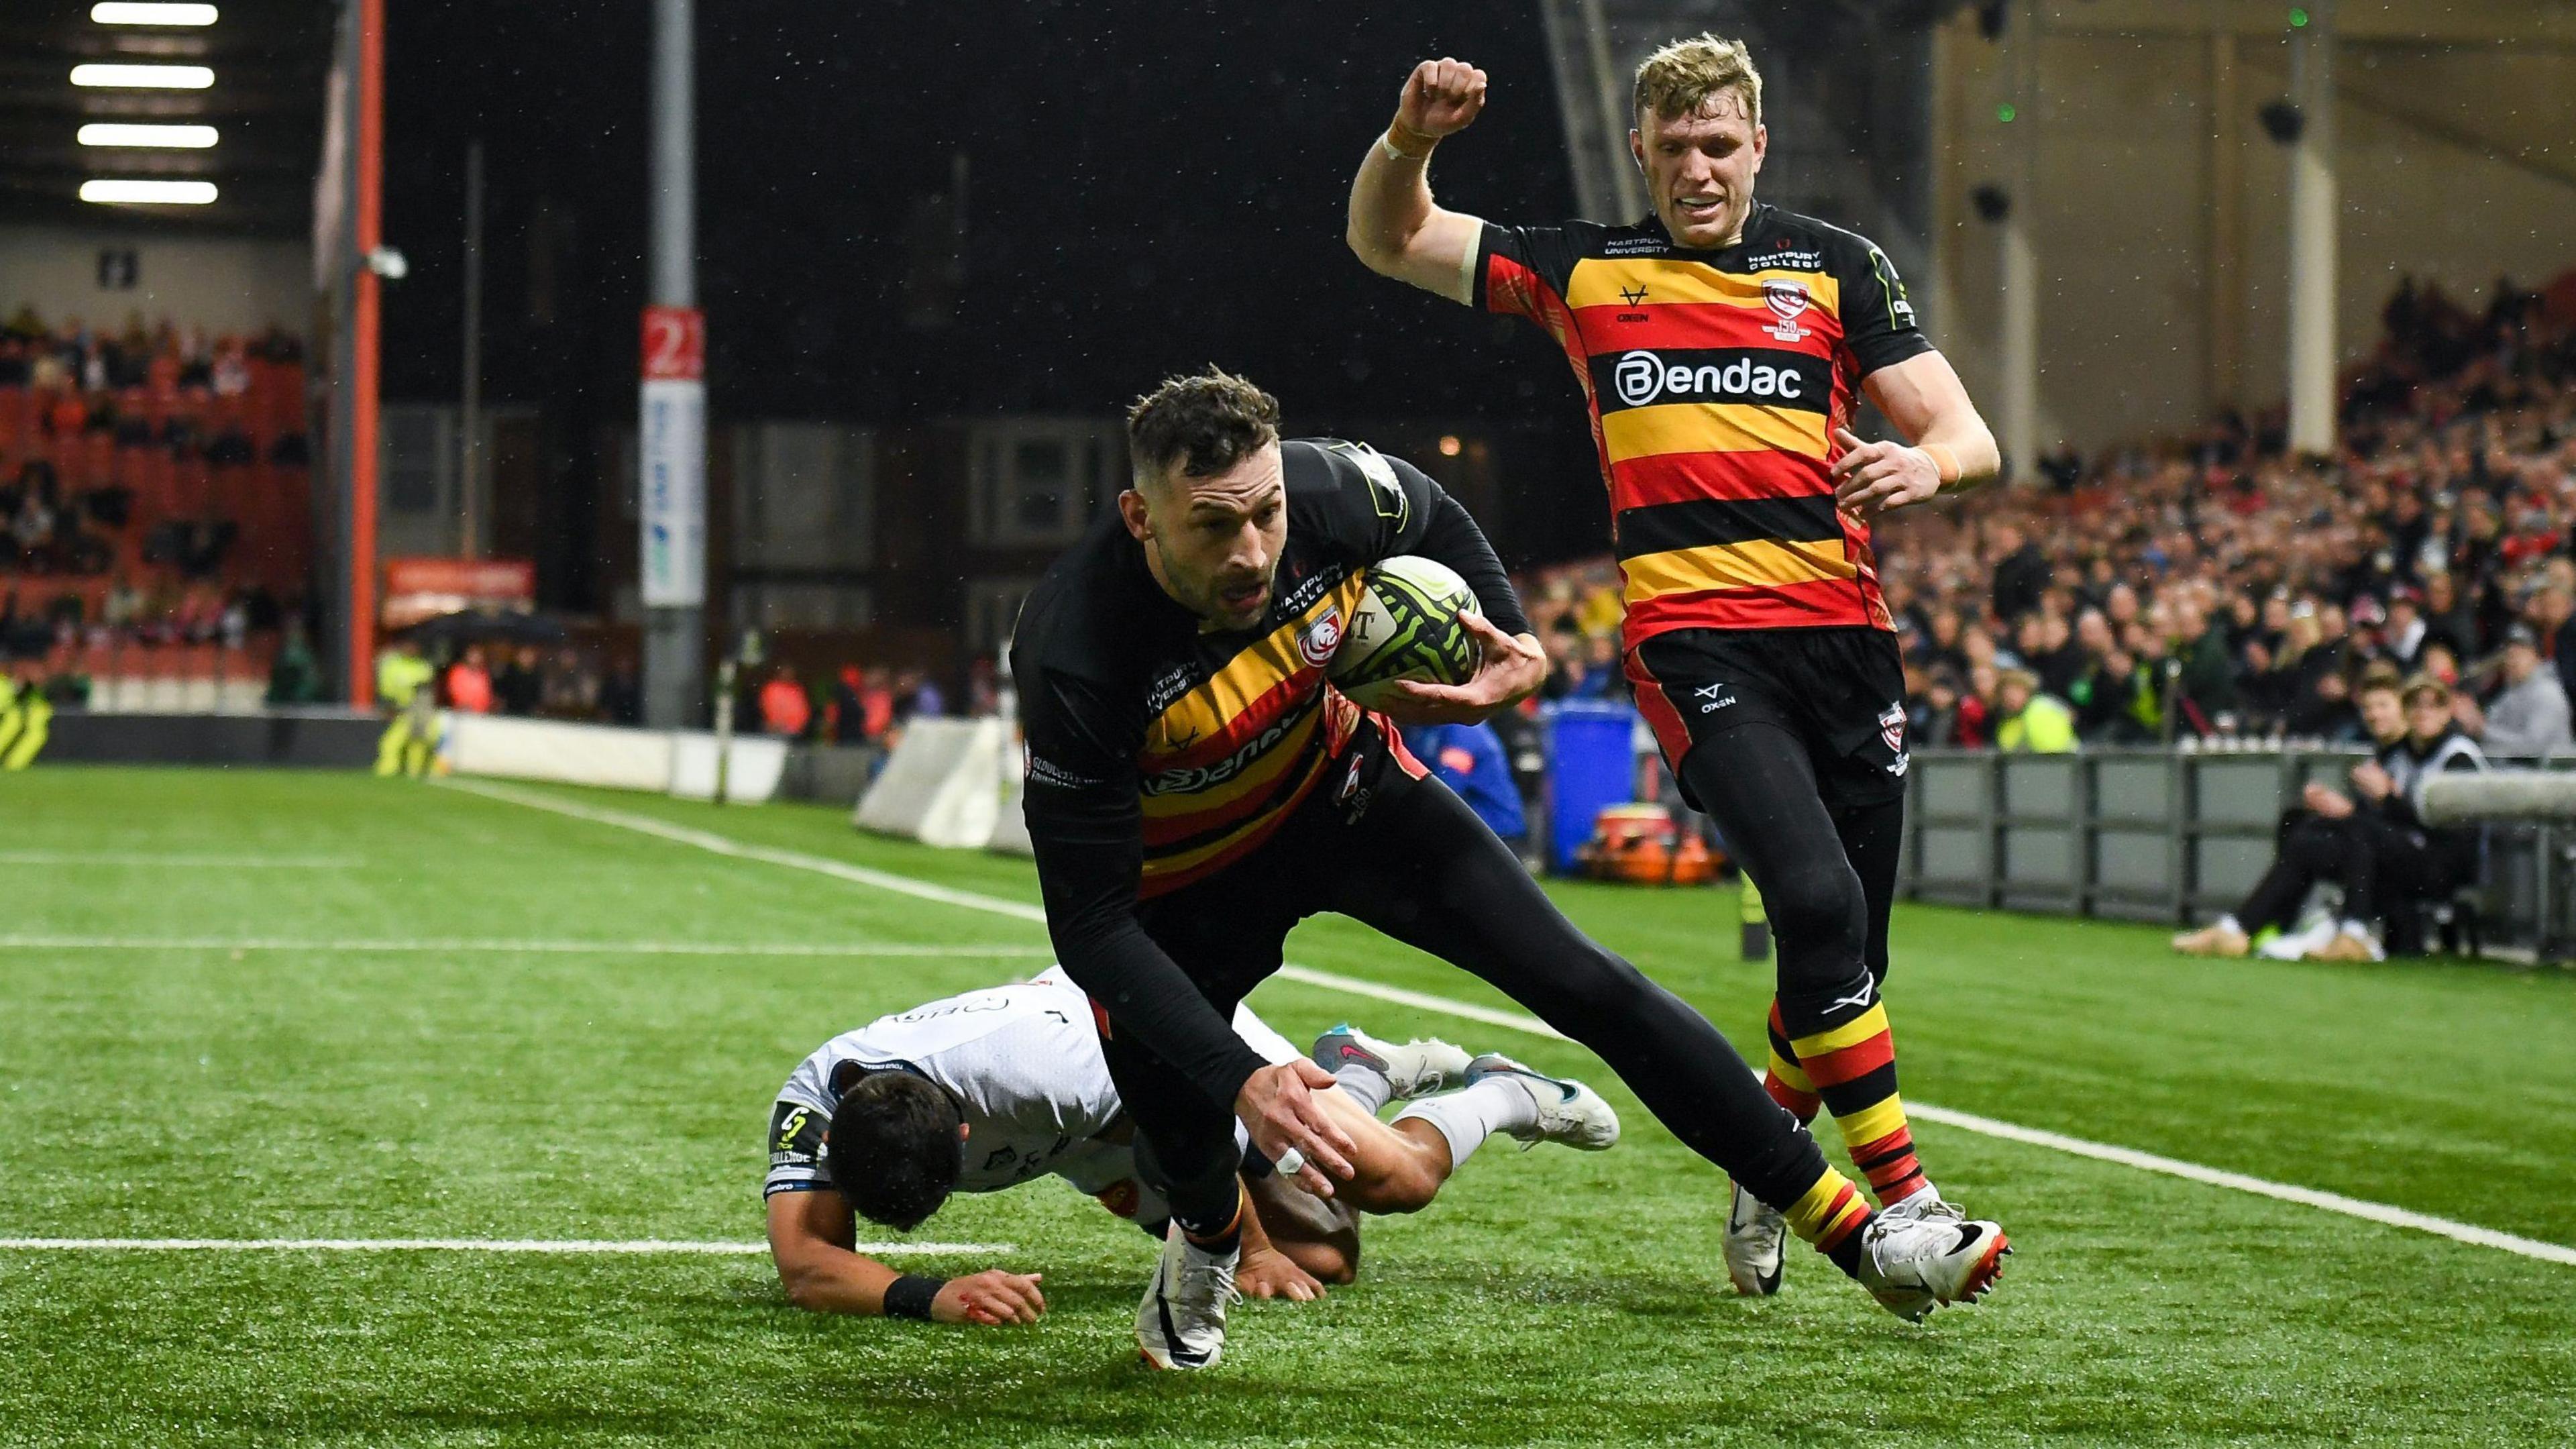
(1441,98)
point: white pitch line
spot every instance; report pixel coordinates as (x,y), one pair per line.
(20,941)
(225,862)
(2332,1202)
(632,1246)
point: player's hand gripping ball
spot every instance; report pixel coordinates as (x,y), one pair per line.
(1405,627)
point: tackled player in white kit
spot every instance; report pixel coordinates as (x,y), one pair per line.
(994,1088)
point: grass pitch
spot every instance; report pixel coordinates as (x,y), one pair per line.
(201,1036)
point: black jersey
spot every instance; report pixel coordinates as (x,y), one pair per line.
(1159,753)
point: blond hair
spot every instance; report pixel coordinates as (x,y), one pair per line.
(1686,75)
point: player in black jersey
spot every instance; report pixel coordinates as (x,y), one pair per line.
(1194,788)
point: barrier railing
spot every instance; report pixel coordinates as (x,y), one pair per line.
(2169,835)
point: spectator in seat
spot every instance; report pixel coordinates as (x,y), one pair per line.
(2021,572)
(2031,721)
(2552,614)
(785,710)
(2403,635)
(2529,715)
(519,685)
(1932,706)
(469,683)
(927,700)
(876,699)
(2206,681)
(2447,618)
(849,707)
(295,676)
(2373,843)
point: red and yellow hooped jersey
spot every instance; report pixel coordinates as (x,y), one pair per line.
(1715,380)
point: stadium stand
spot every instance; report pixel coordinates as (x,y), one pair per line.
(155,514)
(2215,586)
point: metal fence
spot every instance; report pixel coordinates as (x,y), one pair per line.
(2169,836)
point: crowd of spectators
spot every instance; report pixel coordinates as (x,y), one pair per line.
(859,704)
(154,513)
(853,705)
(2217,586)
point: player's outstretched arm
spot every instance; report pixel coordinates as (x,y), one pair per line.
(1952,447)
(810,1239)
(1395,227)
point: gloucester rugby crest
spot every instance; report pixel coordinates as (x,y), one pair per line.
(1317,641)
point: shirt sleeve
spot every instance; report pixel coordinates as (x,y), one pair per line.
(1087,829)
(1378,507)
(796,1149)
(1522,271)
(1879,327)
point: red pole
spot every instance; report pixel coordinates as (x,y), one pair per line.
(362,428)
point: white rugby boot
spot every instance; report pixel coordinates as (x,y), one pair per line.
(1569,1113)
(1181,1323)
(1919,1259)
(1416,1069)
(1756,1243)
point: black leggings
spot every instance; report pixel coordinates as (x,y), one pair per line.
(1827,872)
(1418,865)
(2367,856)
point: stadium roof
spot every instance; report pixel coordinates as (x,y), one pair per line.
(269,59)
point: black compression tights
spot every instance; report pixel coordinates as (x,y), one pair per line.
(1425,870)
(1828,874)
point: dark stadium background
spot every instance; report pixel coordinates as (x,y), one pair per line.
(1150,188)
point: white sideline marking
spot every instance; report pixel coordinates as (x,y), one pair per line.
(225,862)
(456,1245)
(567,948)
(2333,1202)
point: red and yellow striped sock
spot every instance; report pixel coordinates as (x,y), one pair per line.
(1784,1079)
(1831,1215)
(1853,1068)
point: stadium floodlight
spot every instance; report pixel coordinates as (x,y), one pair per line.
(105,133)
(154,193)
(145,77)
(127,12)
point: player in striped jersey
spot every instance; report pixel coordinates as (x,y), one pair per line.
(1195,788)
(1722,346)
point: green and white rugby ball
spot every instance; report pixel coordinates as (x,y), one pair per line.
(1405,626)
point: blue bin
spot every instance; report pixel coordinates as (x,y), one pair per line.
(1591,763)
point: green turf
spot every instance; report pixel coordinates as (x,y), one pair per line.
(1549,1298)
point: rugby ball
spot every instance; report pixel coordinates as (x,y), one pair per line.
(1405,626)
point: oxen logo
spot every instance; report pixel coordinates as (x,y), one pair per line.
(1317,641)
(1788,302)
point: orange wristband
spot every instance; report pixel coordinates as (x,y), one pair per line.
(1944,462)
(1406,143)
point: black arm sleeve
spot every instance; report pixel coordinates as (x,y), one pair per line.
(1086,827)
(1370,507)
(1451,536)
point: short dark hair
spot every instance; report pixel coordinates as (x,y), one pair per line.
(1199,426)
(892,1148)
